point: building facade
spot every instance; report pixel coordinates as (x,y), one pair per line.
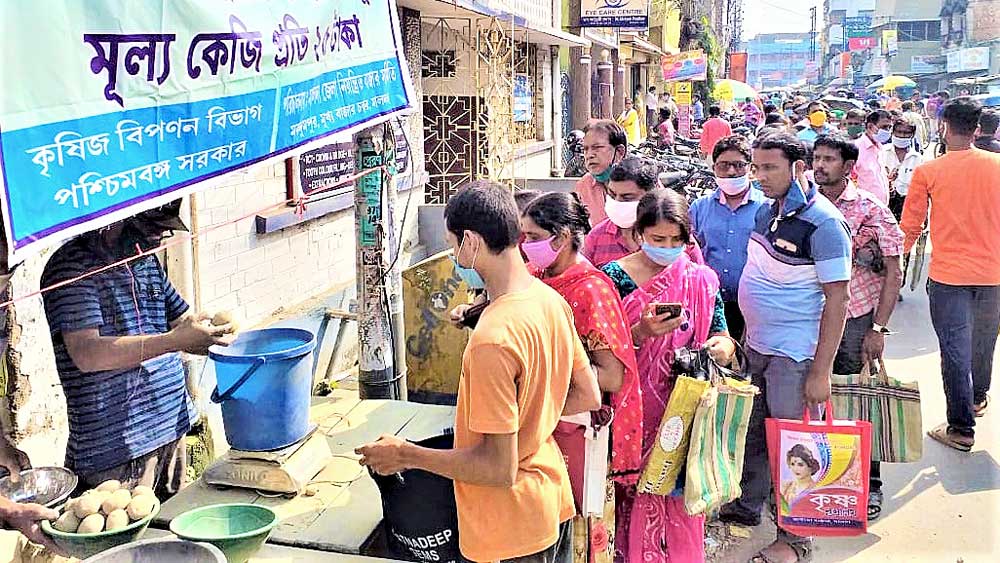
(779,59)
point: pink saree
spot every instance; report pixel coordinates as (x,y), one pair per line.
(653,528)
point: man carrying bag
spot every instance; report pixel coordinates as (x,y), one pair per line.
(877,243)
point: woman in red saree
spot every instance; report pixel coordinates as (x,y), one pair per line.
(553,226)
(654,528)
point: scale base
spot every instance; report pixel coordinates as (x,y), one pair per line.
(283,472)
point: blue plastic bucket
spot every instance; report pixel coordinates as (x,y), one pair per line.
(264,383)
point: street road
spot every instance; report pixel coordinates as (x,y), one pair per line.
(942,509)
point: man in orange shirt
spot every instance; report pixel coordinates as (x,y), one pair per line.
(964,284)
(714,129)
(523,368)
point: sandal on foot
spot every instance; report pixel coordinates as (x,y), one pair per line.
(953,440)
(802,551)
(874,505)
(980,408)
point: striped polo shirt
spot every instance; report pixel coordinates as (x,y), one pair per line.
(792,251)
(115,416)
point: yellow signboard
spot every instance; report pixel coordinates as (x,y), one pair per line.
(434,348)
(682,93)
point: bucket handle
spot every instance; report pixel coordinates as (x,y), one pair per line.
(219,397)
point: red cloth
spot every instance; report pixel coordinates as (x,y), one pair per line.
(712,131)
(600,322)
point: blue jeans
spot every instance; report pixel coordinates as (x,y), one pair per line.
(966,320)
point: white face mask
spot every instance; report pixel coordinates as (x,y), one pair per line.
(901,142)
(621,213)
(733,186)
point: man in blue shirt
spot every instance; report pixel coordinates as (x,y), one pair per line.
(723,220)
(794,295)
(116,336)
(698,110)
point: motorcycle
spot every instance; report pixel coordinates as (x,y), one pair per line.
(573,147)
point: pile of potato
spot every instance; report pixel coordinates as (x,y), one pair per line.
(108,507)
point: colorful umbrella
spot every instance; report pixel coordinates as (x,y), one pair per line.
(892,82)
(733,90)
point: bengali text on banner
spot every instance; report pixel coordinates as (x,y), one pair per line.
(113,108)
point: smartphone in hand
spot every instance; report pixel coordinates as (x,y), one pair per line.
(672,310)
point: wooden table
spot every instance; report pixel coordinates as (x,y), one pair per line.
(347,506)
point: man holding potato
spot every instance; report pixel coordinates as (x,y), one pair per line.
(117,336)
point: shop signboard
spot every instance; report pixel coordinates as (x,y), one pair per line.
(689,65)
(108,110)
(631,14)
(921,64)
(861,43)
(890,45)
(965,60)
(858,26)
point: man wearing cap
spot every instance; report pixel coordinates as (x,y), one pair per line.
(117,335)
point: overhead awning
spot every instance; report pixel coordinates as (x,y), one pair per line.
(977,79)
(530,31)
(640,44)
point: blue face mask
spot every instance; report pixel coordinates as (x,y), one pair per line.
(662,256)
(469,275)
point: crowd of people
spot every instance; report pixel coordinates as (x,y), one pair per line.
(798,256)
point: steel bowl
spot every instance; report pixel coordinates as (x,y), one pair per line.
(48,486)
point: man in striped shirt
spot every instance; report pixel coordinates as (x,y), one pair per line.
(117,337)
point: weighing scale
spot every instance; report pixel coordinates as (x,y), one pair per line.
(284,471)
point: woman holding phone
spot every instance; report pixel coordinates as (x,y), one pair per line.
(670,302)
(554,226)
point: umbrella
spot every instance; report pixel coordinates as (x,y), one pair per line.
(892,82)
(733,90)
(988,100)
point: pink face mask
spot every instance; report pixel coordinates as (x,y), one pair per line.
(540,252)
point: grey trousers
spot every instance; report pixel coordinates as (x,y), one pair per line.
(781,381)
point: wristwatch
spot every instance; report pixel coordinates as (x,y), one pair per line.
(881,329)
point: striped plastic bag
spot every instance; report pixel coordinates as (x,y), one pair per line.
(659,477)
(890,405)
(718,441)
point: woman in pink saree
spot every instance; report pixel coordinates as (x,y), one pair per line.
(653,528)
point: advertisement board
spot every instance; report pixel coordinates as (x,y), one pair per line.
(689,65)
(108,110)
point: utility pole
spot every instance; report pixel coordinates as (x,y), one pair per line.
(380,373)
(812,33)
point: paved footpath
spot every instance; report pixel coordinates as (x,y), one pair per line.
(942,509)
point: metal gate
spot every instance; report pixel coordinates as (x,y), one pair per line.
(470,66)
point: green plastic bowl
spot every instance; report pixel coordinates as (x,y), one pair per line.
(237,529)
(83,546)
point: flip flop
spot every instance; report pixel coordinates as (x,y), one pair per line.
(980,408)
(802,551)
(874,505)
(951,439)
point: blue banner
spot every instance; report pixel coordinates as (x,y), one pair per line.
(100,124)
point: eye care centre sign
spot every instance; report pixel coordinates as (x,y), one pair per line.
(111,107)
(632,14)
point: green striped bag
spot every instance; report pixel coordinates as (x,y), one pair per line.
(718,440)
(892,406)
